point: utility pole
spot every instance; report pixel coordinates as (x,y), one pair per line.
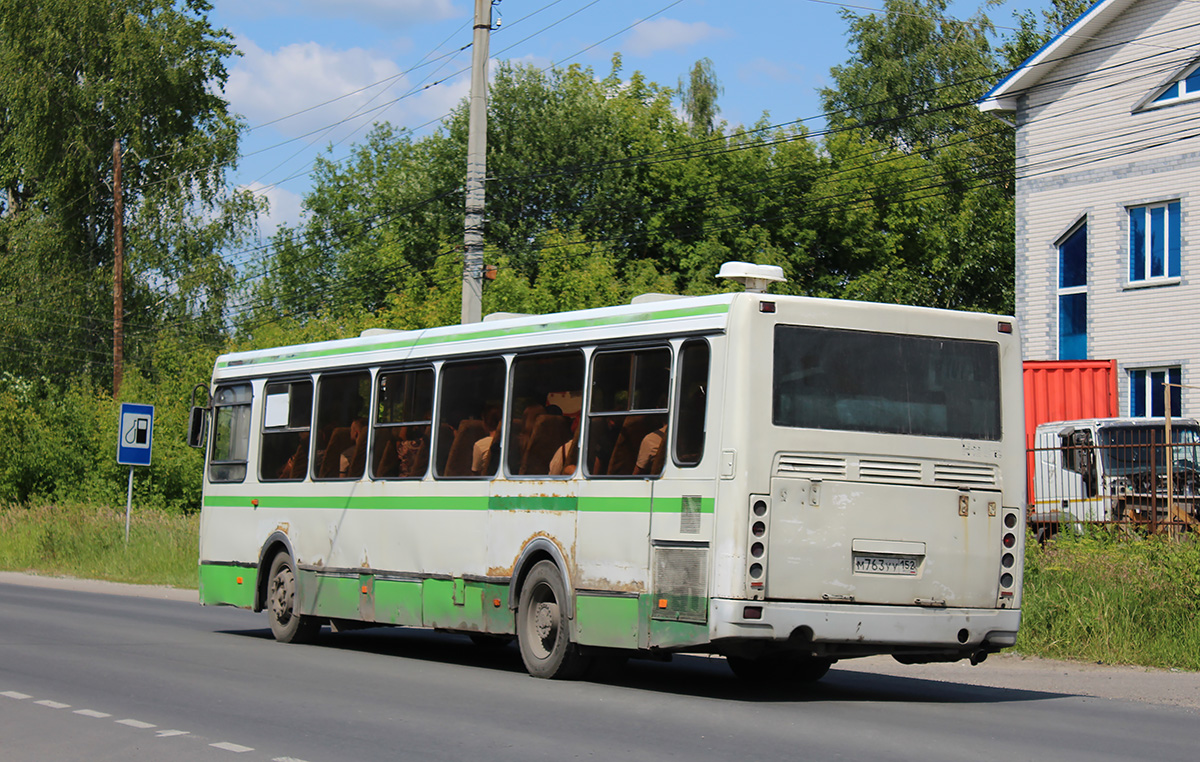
(118,272)
(472,284)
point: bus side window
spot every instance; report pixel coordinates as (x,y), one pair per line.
(287,415)
(692,403)
(472,393)
(403,415)
(341,428)
(547,395)
(231,433)
(627,416)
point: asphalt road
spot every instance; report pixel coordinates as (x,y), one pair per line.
(86,676)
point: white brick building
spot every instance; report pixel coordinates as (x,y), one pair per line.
(1108,196)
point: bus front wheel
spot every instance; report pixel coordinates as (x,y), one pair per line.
(543,630)
(287,624)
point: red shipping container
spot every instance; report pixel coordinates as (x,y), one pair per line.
(1066,390)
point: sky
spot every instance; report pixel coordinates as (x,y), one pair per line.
(314,75)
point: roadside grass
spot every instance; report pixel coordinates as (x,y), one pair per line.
(77,540)
(1102,597)
(1107,597)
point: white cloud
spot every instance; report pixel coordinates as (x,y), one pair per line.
(669,34)
(264,86)
(284,207)
(376,12)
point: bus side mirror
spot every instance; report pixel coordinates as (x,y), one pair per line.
(196,426)
(198,418)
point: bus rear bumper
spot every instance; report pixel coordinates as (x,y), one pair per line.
(852,629)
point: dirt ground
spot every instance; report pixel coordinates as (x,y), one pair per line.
(1154,686)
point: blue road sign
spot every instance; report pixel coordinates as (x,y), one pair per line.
(135,435)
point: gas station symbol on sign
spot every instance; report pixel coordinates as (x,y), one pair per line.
(136,434)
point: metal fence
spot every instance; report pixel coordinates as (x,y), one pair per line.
(1148,485)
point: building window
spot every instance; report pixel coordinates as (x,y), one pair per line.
(1148,391)
(1072,295)
(1186,87)
(1154,236)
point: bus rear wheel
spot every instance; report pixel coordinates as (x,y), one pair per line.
(287,624)
(543,630)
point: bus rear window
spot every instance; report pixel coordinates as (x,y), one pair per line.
(827,378)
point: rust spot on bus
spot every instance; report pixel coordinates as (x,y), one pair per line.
(507,571)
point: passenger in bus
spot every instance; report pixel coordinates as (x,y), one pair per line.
(353,457)
(458,460)
(550,432)
(294,467)
(652,452)
(480,462)
(566,458)
(412,451)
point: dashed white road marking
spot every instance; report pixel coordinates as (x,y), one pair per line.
(93,713)
(138,724)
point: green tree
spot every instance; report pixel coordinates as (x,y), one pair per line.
(699,95)
(925,181)
(79,75)
(1035,29)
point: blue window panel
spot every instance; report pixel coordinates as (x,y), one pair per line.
(1176,392)
(1156,392)
(1137,243)
(1192,83)
(1173,243)
(1072,327)
(1168,94)
(1158,225)
(1072,259)
(1137,393)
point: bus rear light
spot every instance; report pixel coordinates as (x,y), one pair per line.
(752,612)
(1004,327)
(766,307)
(1008,560)
(756,572)
(1006,580)
(1010,540)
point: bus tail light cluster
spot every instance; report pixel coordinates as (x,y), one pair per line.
(756,549)
(1010,557)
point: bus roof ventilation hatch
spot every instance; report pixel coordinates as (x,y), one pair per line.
(754,278)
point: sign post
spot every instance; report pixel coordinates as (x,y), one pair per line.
(135,436)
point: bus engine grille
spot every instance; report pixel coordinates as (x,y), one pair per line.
(680,584)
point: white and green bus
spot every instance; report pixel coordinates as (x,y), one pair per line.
(781,480)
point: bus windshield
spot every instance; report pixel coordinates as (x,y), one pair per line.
(831,378)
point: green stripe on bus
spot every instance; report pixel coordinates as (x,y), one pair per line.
(227,585)
(422,340)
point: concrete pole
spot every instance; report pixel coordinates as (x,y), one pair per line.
(472,286)
(118,273)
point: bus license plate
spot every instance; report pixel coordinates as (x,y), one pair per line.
(885,565)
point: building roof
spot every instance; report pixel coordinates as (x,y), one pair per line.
(1003,97)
